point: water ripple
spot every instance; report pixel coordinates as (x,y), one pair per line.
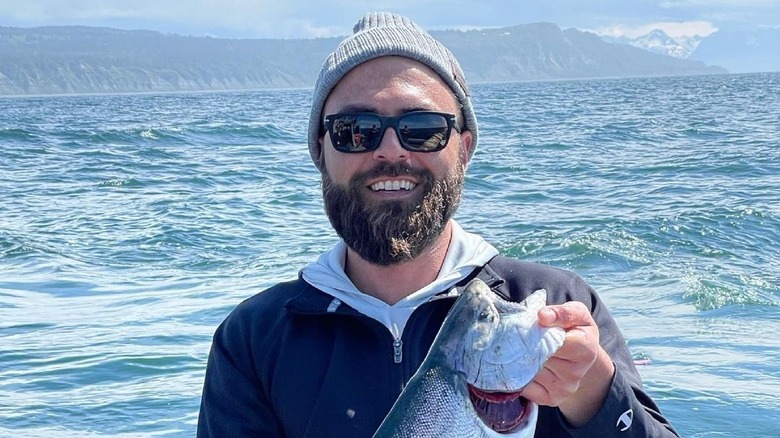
(132,224)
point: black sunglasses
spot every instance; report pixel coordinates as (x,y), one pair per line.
(418,131)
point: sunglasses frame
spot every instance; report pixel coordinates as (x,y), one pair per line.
(390,122)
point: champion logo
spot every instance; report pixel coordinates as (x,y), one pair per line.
(625,420)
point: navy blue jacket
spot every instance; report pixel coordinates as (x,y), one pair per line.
(292,362)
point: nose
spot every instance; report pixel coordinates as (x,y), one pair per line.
(390,148)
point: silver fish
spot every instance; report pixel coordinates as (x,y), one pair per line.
(469,384)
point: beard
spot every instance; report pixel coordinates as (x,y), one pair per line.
(390,232)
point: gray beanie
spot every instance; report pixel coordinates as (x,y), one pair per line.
(386,34)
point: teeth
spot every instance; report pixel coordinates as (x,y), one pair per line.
(393,185)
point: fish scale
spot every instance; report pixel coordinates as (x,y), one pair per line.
(434,407)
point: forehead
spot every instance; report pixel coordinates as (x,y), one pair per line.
(391,85)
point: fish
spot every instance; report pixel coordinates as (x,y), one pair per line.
(469,384)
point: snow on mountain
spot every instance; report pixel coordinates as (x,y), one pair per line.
(658,41)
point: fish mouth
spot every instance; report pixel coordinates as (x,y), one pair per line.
(504,412)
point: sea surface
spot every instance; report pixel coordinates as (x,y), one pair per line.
(130,225)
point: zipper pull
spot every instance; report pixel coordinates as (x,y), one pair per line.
(398,355)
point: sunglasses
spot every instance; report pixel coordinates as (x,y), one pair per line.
(418,131)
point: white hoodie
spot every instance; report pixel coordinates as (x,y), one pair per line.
(466,252)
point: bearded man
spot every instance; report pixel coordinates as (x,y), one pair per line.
(392,130)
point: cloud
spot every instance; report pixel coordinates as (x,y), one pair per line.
(673,29)
(755,12)
(313,18)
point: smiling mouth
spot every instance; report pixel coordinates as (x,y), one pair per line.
(504,412)
(392,185)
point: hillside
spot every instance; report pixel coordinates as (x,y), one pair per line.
(79,59)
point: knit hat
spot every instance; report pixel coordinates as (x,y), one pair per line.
(386,34)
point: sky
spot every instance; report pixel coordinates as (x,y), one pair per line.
(318,18)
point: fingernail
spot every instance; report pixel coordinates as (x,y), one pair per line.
(548,313)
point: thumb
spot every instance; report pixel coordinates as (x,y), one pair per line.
(547,316)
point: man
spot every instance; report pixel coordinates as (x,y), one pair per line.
(327,355)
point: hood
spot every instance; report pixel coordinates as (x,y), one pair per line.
(466,252)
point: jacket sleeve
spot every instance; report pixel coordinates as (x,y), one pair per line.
(233,403)
(627,411)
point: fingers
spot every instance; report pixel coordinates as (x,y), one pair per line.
(567,315)
(582,333)
(554,383)
(563,374)
(580,345)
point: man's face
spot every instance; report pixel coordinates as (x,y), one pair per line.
(390,204)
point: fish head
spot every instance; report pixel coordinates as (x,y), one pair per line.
(504,348)
(505,345)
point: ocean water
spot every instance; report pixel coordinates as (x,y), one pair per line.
(130,225)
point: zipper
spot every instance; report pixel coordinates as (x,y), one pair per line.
(398,343)
(398,353)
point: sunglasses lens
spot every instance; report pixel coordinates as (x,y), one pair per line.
(423,132)
(356,132)
(360,132)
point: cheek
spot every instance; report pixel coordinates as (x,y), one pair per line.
(340,166)
(444,163)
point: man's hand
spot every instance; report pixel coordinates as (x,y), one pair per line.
(577,377)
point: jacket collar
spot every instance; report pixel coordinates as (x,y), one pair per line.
(312,301)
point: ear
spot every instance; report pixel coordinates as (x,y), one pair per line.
(466,143)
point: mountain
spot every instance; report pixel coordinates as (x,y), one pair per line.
(79,59)
(658,41)
(689,43)
(742,50)
(737,49)
(541,51)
